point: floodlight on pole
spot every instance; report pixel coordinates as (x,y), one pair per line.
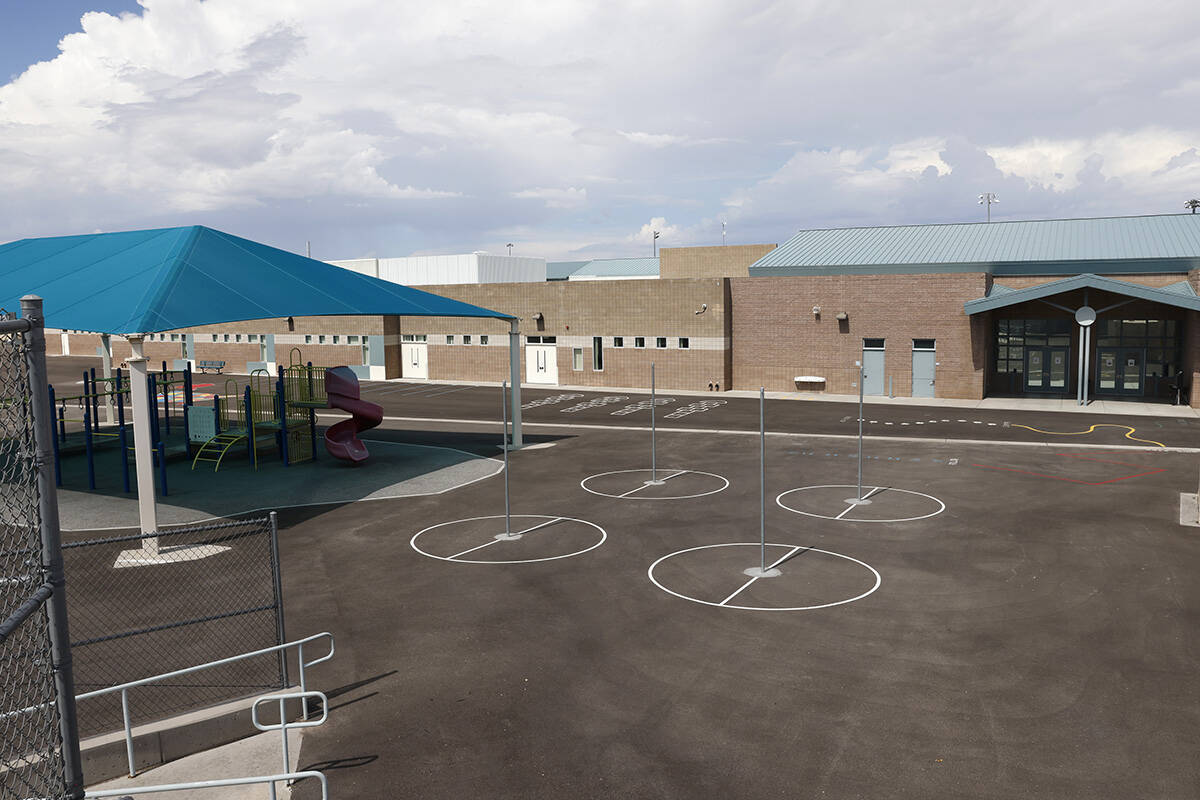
(509,246)
(654,243)
(722,233)
(988,198)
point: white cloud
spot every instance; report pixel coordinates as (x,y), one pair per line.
(398,127)
(569,197)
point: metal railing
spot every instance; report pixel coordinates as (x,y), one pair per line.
(176,787)
(125,687)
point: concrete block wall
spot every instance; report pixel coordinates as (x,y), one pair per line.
(729,261)
(777,337)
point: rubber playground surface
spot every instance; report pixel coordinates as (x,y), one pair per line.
(1001,620)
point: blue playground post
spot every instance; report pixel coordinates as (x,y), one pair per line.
(216,413)
(312,413)
(87,445)
(123,437)
(153,390)
(95,403)
(166,393)
(54,440)
(187,385)
(249,427)
(85,402)
(162,466)
(281,410)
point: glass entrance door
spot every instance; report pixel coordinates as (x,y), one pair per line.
(1046,369)
(1121,370)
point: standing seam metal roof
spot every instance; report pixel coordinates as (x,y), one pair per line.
(1167,236)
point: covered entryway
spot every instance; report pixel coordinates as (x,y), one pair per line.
(1087,336)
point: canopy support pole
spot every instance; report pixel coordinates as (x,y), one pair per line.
(106,360)
(514,368)
(143,447)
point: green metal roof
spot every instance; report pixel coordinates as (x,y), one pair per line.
(1180,295)
(561,270)
(1163,243)
(618,268)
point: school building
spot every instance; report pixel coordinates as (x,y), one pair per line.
(1106,306)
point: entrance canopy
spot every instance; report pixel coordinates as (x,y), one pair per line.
(1180,295)
(159,280)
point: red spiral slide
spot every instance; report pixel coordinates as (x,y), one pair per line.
(341,439)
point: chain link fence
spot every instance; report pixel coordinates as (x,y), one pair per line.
(147,604)
(31,747)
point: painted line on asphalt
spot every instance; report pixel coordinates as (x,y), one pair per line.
(835,436)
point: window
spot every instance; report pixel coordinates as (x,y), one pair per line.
(226,337)
(924,344)
(661,341)
(872,344)
(684,344)
(466,338)
(533,340)
(237,337)
(549,340)
(450,339)
(577,359)
(414,337)
(307,338)
(174,337)
(483,339)
(618,341)
(321,339)
(598,353)
(335,338)
(251,337)
(639,341)
(215,337)
(351,339)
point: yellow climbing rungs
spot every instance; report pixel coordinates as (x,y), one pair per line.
(215,448)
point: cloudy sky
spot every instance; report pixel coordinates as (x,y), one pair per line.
(574,129)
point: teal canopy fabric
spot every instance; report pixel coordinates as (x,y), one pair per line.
(169,278)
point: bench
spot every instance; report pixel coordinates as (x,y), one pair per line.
(810,383)
(205,366)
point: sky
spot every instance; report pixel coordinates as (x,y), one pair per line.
(574,130)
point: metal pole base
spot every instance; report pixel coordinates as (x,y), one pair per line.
(759,572)
(653,483)
(858,501)
(508,537)
(166,555)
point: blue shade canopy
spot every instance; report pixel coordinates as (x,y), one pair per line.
(169,278)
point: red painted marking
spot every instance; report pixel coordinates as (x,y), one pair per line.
(1153,471)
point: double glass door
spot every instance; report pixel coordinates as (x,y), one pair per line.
(1046,368)
(1121,370)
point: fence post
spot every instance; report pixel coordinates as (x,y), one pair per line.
(277,575)
(52,559)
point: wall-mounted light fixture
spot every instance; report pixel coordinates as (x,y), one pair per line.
(816,311)
(842,315)
(537,316)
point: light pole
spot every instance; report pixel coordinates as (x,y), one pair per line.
(654,242)
(722,233)
(509,246)
(987,198)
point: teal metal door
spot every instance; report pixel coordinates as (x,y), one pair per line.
(1047,369)
(924,371)
(873,381)
(1121,371)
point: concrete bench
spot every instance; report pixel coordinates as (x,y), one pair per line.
(809,383)
(205,366)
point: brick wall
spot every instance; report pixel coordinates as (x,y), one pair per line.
(730,261)
(776,336)
(576,311)
(1149,279)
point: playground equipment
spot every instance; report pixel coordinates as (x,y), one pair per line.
(113,393)
(341,439)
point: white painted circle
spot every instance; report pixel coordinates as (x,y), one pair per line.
(756,546)
(836,518)
(1085,316)
(631,495)
(492,540)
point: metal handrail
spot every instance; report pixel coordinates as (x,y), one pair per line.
(284,726)
(174,787)
(125,687)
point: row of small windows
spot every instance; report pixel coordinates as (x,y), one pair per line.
(320,338)
(467,338)
(637,342)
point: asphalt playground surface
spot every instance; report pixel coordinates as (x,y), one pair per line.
(1002,620)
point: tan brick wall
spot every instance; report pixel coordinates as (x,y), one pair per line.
(776,336)
(586,309)
(727,261)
